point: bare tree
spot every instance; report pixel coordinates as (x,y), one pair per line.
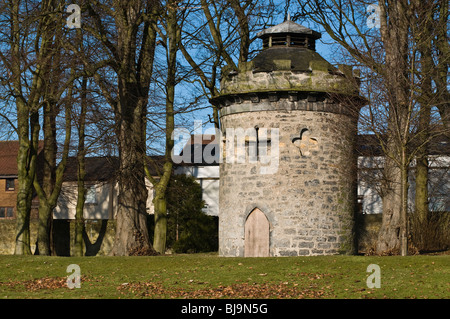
(388,54)
(172,21)
(428,24)
(28,56)
(81,172)
(57,82)
(125,34)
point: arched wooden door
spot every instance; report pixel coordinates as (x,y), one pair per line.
(256,235)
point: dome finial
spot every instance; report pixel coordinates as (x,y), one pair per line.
(289,16)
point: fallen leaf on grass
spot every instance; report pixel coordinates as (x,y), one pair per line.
(241,290)
(41,283)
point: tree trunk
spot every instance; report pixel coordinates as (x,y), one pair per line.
(48,178)
(79,221)
(404,205)
(160,234)
(22,242)
(441,74)
(160,186)
(389,235)
(131,229)
(81,193)
(44,229)
(394,26)
(421,178)
(30,97)
(26,169)
(423,133)
(129,45)
(244,32)
(52,182)
(27,152)
(53,174)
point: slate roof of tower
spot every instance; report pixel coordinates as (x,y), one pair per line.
(300,59)
(289,27)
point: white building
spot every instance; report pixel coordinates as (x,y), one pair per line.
(370,176)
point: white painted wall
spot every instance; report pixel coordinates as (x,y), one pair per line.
(208,178)
(100,204)
(369,175)
(103,205)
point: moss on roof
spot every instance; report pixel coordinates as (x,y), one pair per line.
(300,60)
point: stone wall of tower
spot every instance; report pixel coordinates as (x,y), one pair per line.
(309,199)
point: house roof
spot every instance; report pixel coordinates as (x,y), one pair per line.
(370,145)
(97,168)
(8,157)
(102,169)
(196,146)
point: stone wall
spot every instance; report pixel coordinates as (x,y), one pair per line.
(8,235)
(99,237)
(308,201)
(367,228)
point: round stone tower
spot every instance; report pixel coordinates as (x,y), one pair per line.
(288,172)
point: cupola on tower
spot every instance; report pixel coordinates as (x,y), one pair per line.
(288,188)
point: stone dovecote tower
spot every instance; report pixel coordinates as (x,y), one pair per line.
(299,118)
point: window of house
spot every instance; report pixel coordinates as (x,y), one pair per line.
(91,195)
(10,184)
(439,204)
(6,212)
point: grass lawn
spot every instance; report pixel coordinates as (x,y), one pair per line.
(210,276)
